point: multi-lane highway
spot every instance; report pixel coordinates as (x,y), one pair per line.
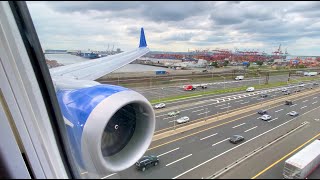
(166,91)
(203,107)
(204,152)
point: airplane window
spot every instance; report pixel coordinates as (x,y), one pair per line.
(184,89)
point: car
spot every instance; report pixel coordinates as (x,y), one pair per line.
(286,93)
(205,70)
(293,113)
(183,119)
(236,139)
(264,95)
(147,161)
(161,105)
(297,90)
(262,112)
(284,90)
(265,117)
(315,83)
(173,113)
(301,85)
(250,89)
(288,102)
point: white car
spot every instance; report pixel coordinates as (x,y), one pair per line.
(250,89)
(183,119)
(301,85)
(265,117)
(161,105)
(293,113)
(284,90)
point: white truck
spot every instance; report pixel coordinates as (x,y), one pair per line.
(303,163)
(239,78)
(310,73)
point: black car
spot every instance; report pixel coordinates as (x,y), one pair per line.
(286,93)
(297,90)
(262,112)
(288,103)
(264,95)
(147,161)
(315,83)
(236,138)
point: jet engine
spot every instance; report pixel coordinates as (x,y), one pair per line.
(109,127)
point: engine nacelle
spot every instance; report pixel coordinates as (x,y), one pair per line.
(109,127)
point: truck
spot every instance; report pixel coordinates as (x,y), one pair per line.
(188,88)
(161,72)
(303,163)
(239,78)
(310,73)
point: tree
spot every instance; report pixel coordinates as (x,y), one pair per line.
(215,64)
(259,63)
(225,63)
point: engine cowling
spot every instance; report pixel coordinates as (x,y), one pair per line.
(110,127)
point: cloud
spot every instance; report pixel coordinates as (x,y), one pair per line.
(177,26)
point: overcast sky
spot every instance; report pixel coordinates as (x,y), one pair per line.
(179,26)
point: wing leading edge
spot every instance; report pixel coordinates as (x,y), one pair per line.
(94,69)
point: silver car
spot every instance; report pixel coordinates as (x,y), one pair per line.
(161,105)
(183,119)
(293,113)
(265,117)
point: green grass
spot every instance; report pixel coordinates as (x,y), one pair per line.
(229,90)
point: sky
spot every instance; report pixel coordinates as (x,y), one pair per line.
(179,26)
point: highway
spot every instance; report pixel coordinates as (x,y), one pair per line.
(207,151)
(202,107)
(166,91)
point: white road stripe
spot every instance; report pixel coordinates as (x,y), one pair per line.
(254,97)
(168,152)
(225,107)
(314,102)
(260,99)
(203,113)
(238,125)
(279,110)
(108,176)
(198,110)
(221,105)
(239,100)
(303,107)
(220,142)
(208,136)
(167,118)
(178,160)
(273,119)
(245,102)
(305,100)
(293,105)
(315,98)
(250,129)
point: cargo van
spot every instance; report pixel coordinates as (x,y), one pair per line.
(239,77)
(250,89)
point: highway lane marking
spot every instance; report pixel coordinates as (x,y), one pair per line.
(303,107)
(239,101)
(225,107)
(167,118)
(238,125)
(250,129)
(293,105)
(316,119)
(254,97)
(315,98)
(208,136)
(168,152)
(108,176)
(245,102)
(221,105)
(305,100)
(235,147)
(273,119)
(273,164)
(279,110)
(178,160)
(220,142)
(198,110)
(84,173)
(260,99)
(314,102)
(203,113)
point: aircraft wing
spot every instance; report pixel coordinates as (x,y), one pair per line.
(94,69)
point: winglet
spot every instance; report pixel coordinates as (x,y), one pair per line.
(143,42)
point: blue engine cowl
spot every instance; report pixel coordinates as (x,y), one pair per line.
(89,113)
